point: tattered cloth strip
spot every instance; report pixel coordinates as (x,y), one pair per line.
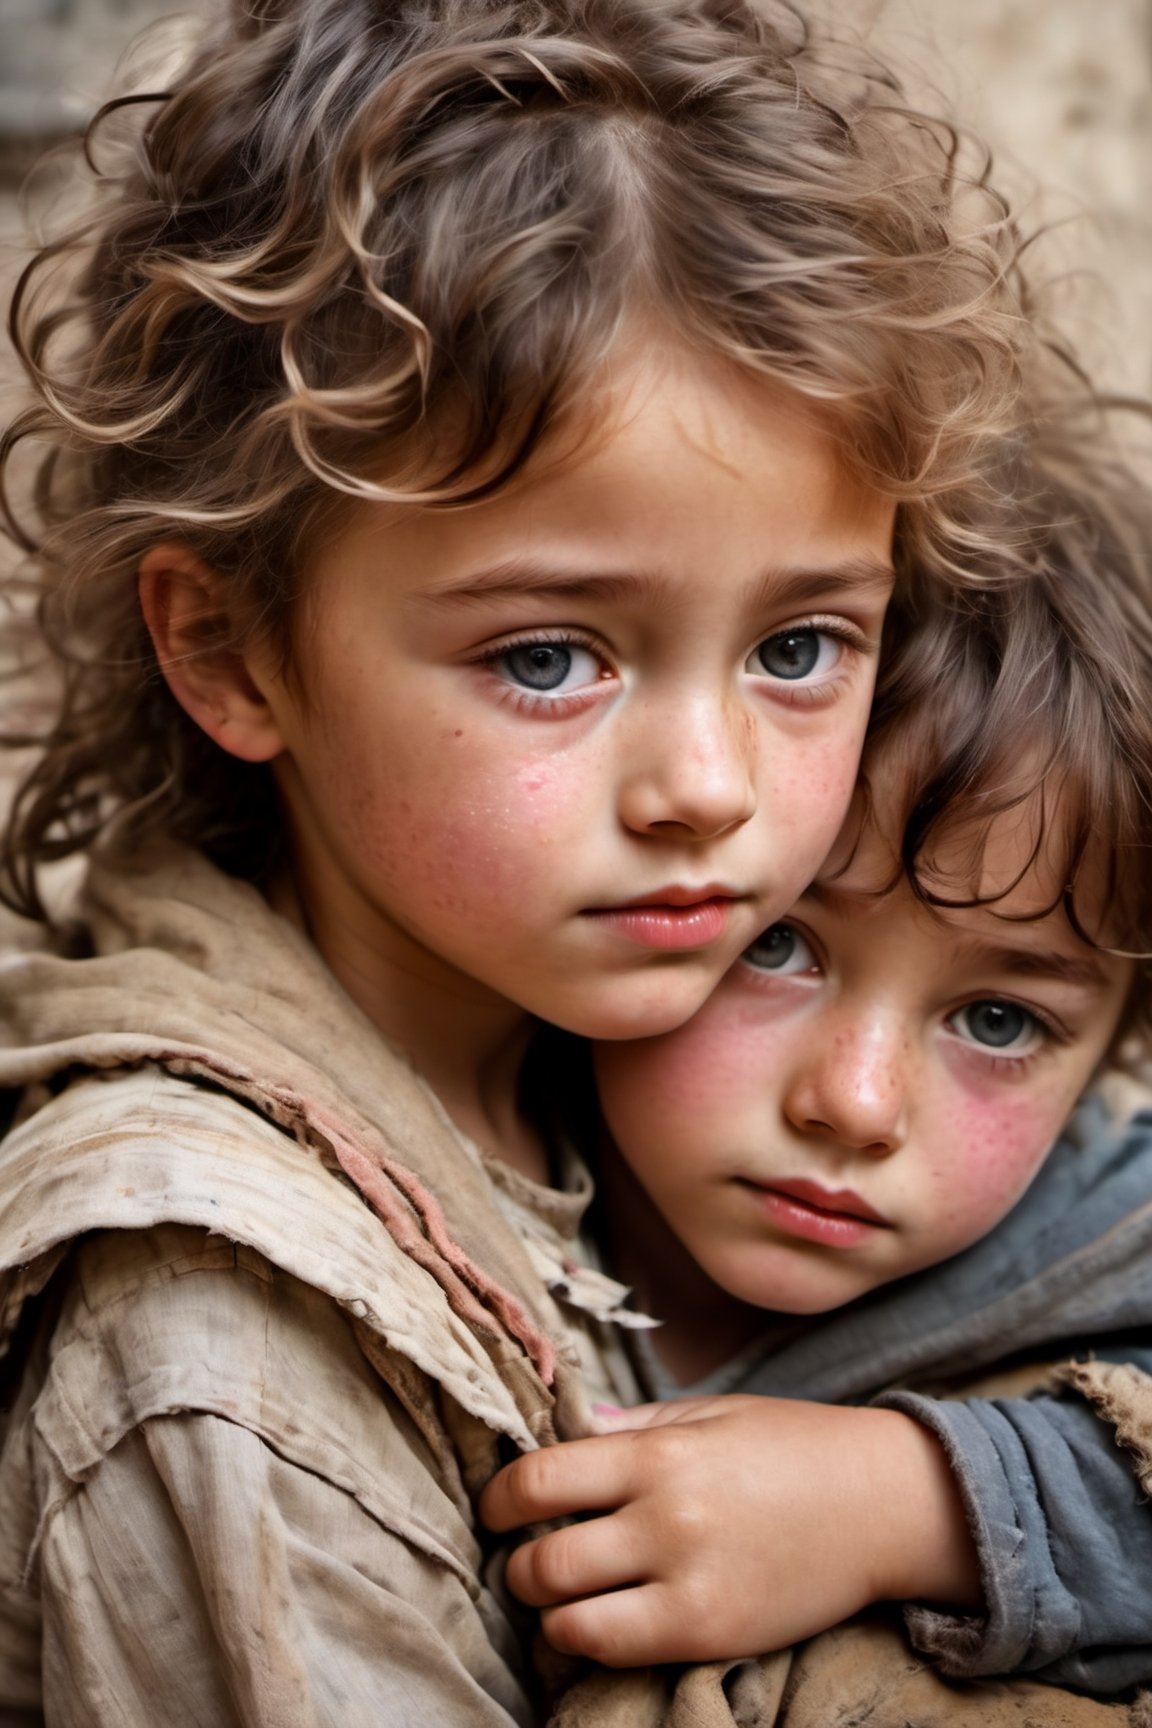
(861,1675)
(1121,1395)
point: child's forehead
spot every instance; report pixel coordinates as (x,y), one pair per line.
(1010,859)
(654,390)
(1016,932)
(658,411)
(993,895)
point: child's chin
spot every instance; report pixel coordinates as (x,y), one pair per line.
(792,1296)
(616,1021)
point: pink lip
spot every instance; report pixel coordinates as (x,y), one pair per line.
(676,894)
(837,1217)
(670,918)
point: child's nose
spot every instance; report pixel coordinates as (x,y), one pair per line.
(688,768)
(851,1086)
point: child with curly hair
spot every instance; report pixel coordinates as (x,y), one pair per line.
(481,441)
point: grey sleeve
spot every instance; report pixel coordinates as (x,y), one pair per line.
(1064,1535)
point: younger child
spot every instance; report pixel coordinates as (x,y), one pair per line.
(837,1183)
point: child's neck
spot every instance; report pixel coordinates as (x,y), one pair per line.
(480,1095)
(703,1326)
(467,1044)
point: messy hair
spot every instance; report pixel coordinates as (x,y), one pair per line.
(1034,696)
(379,248)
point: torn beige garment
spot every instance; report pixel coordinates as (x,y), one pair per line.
(145,1148)
(860,1675)
(215,1459)
(193,972)
(238,1523)
(271,1327)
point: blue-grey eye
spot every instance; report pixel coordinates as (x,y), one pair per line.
(549,668)
(782,949)
(996,1025)
(539,665)
(793,655)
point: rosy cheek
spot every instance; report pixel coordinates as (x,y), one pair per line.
(501,818)
(725,1063)
(816,772)
(813,786)
(537,782)
(478,825)
(988,1148)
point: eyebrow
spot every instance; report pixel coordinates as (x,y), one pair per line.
(529,577)
(1081,970)
(1034,963)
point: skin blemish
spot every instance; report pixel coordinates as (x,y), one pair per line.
(537,777)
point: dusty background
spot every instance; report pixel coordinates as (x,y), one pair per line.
(1061,88)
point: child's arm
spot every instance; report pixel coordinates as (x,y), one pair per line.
(1057,1488)
(742,1524)
(745,1516)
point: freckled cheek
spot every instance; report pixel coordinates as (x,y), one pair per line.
(809,787)
(464,822)
(988,1151)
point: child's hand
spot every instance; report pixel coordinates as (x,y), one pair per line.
(732,1526)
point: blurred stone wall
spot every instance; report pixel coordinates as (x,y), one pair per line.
(58,57)
(1062,90)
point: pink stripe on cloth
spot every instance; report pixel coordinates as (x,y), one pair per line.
(472,1286)
(408,1210)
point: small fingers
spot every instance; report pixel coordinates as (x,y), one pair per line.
(628,1628)
(579,1560)
(661,1414)
(579,1476)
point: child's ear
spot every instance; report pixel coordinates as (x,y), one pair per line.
(185,606)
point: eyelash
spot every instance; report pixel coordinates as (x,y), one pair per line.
(528,701)
(797,695)
(1049,1036)
(804,695)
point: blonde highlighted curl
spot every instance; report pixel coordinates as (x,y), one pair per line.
(378,248)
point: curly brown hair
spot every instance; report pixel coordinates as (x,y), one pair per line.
(377,248)
(1034,695)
